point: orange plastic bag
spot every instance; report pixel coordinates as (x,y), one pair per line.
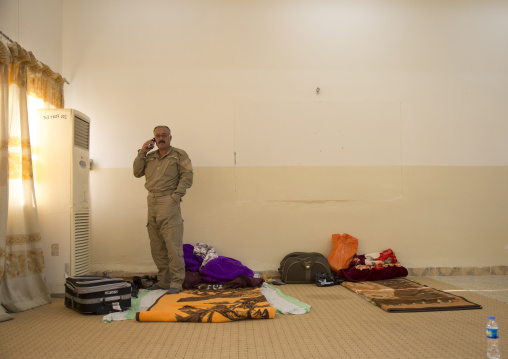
(343,251)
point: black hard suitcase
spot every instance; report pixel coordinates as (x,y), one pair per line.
(97,295)
(302,267)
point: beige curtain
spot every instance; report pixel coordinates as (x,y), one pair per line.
(22,283)
(5,60)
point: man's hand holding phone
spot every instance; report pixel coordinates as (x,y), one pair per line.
(148,145)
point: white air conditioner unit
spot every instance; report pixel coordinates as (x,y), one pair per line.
(62,172)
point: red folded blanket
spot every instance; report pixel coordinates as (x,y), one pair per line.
(372,267)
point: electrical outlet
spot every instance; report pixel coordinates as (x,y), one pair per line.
(506,247)
(55,250)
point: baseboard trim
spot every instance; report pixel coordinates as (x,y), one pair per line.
(457,271)
(412,272)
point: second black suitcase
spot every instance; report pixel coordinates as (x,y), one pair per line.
(97,295)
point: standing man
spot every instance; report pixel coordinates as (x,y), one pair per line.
(168,173)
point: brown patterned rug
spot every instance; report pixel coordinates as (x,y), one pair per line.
(401,295)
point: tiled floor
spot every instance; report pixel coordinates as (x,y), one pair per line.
(492,286)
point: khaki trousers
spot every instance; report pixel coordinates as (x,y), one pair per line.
(165,230)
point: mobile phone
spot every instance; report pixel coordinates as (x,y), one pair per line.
(152,144)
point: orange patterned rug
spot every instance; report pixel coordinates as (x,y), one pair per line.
(401,295)
(209,306)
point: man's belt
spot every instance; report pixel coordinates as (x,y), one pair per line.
(161,194)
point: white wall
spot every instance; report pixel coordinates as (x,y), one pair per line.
(444,62)
(36,26)
(429,181)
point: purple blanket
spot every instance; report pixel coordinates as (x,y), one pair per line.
(219,270)
(192,263)
(224,269)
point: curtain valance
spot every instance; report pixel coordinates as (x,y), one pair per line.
(41,81)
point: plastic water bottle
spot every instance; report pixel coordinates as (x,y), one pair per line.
(492,339)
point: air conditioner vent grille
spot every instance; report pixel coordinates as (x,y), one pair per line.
(81,133)
(80,252)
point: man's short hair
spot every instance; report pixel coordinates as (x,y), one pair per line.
(162,126)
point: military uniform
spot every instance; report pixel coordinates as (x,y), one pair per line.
(167,179)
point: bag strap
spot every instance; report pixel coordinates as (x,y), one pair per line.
(297,254)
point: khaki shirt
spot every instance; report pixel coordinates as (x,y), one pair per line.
(171,173)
